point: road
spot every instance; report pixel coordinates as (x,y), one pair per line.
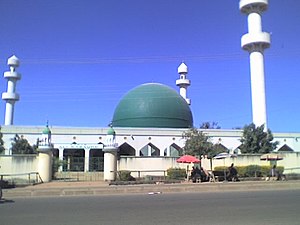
(219,208)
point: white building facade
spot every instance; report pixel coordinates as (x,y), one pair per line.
(80,146)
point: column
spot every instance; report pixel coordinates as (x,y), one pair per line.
(45,164)
(61,158)
(110,163)
(87,159)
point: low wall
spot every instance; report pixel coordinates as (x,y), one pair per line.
(16,164)
(79,176)
(19,169)
(155,166)
(291,162)
(143,166)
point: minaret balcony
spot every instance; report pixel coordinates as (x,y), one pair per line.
(10,96)
(250,40)
(12,75)
(185,82)
(247,6)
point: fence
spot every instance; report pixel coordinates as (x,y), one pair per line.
(21,178)
(78,164)
(78,176)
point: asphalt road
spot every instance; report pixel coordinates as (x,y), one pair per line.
(219,208)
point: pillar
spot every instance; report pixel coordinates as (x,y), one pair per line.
(86,159)
(45,164)
(61,158)
(110,163)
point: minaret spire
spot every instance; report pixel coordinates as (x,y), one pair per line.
(255,42)
(183,82)
(10,96)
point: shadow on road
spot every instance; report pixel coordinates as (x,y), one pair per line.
(3,201)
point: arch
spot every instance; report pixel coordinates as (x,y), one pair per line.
(126,149)
(285,148)
(221,148)
(174,150)
(150,150)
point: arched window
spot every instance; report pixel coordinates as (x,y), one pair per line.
(149,150)
(173,151)
(126,149)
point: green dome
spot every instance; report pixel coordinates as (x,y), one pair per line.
(153,105)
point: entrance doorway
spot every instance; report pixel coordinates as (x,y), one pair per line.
(73,160)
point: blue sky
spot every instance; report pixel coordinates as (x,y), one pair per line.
(78,58)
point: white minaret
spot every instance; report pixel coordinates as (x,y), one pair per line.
(183,82)
(255,42)
(10,96)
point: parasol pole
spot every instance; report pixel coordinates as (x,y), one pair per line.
(187,172)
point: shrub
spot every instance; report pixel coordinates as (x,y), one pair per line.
(221,168)
(176,174)
(56,163)
(265,170)
(251,170)
(125,175)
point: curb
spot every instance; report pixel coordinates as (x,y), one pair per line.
(35,191)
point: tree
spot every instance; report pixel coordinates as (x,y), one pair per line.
(256,140)
(216,149)
(21,146)
(197,143)
(210,125)
(1,142)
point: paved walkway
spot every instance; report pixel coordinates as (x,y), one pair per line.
(102,188)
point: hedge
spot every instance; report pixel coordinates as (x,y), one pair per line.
(176,174)
(252,170)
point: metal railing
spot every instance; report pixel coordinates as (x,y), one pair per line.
(292,170)
(77,164)
(148,174)
(22,178)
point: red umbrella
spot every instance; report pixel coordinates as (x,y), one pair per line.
(188,159)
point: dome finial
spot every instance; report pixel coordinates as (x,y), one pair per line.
(182,68)
(47,130)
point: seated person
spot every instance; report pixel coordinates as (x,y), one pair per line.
(232,173)
(196,174)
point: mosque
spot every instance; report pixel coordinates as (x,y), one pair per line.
(147,128)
